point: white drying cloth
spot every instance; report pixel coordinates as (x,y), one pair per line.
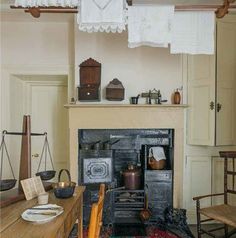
(157,153)
(46,3)
(193,32)
(150,25)
(102,15)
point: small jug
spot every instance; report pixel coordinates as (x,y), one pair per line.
(177,97)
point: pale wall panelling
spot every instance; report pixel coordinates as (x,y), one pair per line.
(197,182)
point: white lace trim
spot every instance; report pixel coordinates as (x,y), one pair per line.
(114,25)
(47,3)
(102,27)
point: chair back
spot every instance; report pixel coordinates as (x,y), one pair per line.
(229,173)
(95,223)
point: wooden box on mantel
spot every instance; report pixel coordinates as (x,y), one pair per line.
(90,81)
(115,91)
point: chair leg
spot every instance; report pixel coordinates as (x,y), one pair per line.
(226,231)
(199,235)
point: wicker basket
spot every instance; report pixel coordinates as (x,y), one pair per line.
(156,165)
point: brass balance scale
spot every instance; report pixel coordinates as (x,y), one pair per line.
(14,195)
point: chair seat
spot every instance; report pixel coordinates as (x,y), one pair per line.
(222,213)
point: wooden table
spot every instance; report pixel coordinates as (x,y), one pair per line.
(12,225)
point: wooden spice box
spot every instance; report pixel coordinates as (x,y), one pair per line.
(90,81)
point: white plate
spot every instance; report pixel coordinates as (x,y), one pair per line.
(28,216)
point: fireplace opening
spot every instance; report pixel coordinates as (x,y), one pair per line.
(113,156)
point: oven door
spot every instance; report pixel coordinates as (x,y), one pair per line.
(97,170)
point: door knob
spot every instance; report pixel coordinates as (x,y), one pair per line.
(36,155)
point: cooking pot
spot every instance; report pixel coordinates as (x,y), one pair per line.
(132,177)
(64,189)
(97,145)
(90,146)
(107,144)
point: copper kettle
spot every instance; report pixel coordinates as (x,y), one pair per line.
(132,177)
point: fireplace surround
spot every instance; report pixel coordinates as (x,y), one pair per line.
(122,116)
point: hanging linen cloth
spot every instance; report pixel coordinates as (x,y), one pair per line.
(102,15)
(193,32)
(150,25)
(46,3)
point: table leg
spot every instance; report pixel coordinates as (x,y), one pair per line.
(80,218)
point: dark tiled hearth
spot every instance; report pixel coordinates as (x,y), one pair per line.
(129,230)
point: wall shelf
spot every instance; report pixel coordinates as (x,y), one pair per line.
(126,105)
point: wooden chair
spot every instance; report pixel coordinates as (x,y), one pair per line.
(95,223)
(223,213)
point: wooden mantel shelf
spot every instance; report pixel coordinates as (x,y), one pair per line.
(126,105)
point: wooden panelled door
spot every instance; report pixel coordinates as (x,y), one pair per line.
(48,114)
(43,98)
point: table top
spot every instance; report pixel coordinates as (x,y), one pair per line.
(12,223)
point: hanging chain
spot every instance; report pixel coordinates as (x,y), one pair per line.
(46,150)
(2,147)
(50,155)
(41,156)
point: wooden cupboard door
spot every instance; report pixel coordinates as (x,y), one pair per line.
(226,83)
(197,180)
(201,100)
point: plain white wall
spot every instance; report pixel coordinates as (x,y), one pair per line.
(28,41)
(30,47)
(139,69)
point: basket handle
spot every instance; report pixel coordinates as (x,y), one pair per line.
(68,174)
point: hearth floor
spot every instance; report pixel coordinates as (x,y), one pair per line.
(127,231)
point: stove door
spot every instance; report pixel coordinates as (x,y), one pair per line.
(97,170)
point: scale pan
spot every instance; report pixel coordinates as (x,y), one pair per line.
(46,175)
(6,184)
